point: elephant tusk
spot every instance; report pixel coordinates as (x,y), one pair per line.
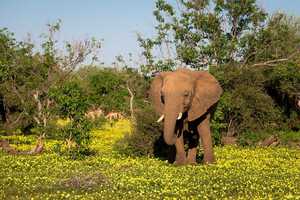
(161,118)
(179,116)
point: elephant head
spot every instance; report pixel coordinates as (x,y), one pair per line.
(186,92)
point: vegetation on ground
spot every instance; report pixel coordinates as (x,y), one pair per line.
(240,173)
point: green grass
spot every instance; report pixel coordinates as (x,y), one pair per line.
(287,137)
(240,173)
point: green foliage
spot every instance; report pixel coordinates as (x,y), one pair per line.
(279,39)
(257,100)
(288,137)
(78,138)
(204,32)
(252,138)
(22,73)
(108,89)
(36,88)
(98,87)
(153,65)
(27,74)
(218,122)
(71,101)
(285,138)
(79,128)
(249,101)
(145,135)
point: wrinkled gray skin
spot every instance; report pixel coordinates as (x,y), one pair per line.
(193,93)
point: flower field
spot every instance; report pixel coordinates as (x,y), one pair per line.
(240,173)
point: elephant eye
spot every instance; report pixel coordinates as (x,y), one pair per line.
(162,98)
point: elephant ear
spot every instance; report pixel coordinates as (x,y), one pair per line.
(155,92)
(207,93)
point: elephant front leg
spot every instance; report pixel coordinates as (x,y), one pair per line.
(206,140)
(180,152)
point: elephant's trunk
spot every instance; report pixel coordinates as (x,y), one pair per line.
(170,118)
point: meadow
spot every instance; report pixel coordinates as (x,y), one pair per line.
(240,173)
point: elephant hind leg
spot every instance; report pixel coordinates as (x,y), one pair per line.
(193,141)
(206,140)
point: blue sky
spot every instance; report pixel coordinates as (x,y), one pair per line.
(115,21)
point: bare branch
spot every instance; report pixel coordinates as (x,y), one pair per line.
(275,61)
(131,101)
(270,62)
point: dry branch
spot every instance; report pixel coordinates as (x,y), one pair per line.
(39,147)
(131,101)
(272,63)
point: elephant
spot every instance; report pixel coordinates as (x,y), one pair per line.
(185,100)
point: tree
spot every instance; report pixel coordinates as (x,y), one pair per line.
(205,32)
(26,75)
(277,42)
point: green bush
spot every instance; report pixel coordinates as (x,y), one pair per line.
(252,98)
(252,138)
(283,85)
(289,136)
(71,102)
(77,138)
(108,89)
(70,99)
(145,133)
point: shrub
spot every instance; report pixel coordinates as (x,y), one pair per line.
(77,139)
(283,85)
(71,102)
(108,90)
(245,105)
(289,136)
(70,99)
(145,132)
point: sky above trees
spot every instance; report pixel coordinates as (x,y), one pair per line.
(116,22)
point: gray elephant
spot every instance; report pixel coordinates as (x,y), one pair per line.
(185,100)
